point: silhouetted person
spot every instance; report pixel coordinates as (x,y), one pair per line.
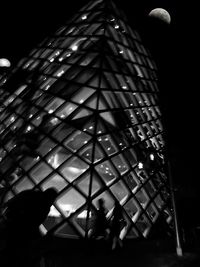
(117,224)
(100,227)
(23,215)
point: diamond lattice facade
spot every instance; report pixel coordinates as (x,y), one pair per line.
(81,113)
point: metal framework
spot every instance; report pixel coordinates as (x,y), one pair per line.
(81,113)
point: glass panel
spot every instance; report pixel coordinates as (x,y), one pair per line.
(53,218)
(46,146)
(142,197)
(108,144)
(70,201)
(73,169)
(26,163)
(130,156)
(85,183)
(82,95)
(111,99)
(132,209)
(119,191)
(82,113)
(66,110)
(120,164)
(57,157)
(62,131)
(159,202)
(143,224)
(40,172)
(23,184)
(108,118)
(66,230)
(53,105)
(77,140)
(56,181)
(152,212)
(149,187)
(106,171)
(109,201)
(132,181)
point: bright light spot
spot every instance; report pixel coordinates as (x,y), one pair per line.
(84,17)
(140,165)
(4,62)
(47,87)
(74,48)
(28,128)
(53,160)
(60,73)
(75,170)
(54,121)
(12,119)
(152,157)
(50,111)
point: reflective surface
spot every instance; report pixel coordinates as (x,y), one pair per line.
(80,113)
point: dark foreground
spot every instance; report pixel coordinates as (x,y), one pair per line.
(136,253)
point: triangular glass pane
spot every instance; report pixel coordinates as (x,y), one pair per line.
(84,184)
(92,102)
(108,117)
(86,152)
(82,113)
(66,230)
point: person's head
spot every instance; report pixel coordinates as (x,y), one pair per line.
(50,194)
(101,202)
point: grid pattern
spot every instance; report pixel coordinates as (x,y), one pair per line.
(81,113)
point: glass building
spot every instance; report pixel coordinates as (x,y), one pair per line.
(81,113)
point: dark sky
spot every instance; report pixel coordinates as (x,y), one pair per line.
(24,24)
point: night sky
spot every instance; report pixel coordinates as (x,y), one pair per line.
(24,24)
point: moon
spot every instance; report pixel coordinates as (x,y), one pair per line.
(161,14)
(4,62)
